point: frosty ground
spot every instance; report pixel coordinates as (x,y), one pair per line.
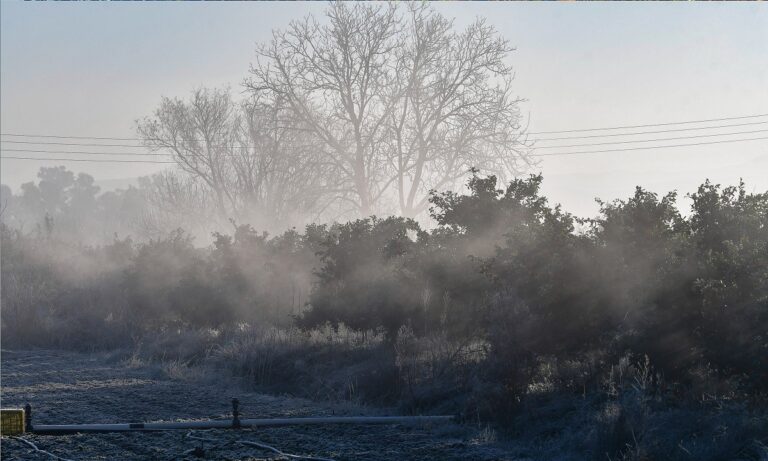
(68,388)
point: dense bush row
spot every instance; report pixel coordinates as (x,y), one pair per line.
(507,268)
(505,300)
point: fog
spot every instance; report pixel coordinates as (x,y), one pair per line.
(367,215)
(668,63)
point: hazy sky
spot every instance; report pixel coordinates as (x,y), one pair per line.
(91,69)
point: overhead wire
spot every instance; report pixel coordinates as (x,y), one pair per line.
(649,132)
(69,137)
(81,160)
(651,124)
(646,147)
(47,143)
(677,138)
(534,141)
(81,152)
(531,155)
(109,138)
(78,144)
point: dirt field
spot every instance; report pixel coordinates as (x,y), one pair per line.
(76,388)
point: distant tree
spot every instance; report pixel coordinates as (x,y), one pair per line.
(60,202)
(457,110)
(251,166)
(202,135)
(175,200)
(54,184)
(82,195)
(395,101)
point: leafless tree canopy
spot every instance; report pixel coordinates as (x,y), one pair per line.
(457,110)
(364,112)
(400,99)
(254,163)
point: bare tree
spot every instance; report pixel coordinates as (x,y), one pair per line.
(370,109)
(200,134)
(396,100)
(253,158)
(457,112)
(339,80)
(171,201)
(283,170)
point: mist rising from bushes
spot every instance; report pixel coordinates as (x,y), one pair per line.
(501,300)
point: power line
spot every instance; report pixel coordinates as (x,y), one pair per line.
(655,140)
(69,137)
(543,147)
(649,132)
(73,144)
(554,154)
(80,160)
(650,124)
(127,154)
(562,138)
(647,147)
(45,151)
(78,144)
(47,143)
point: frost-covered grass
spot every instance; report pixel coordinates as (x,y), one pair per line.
(570,410)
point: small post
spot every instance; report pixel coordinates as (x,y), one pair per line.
(235,413)
(28,418)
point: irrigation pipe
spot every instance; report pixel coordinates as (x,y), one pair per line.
(53,429)
(38,450)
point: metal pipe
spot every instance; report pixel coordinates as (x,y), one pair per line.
(74,428)
(125,427)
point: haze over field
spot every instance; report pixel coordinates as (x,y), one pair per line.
(549,220)
(92,69)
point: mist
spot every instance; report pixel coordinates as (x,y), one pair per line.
(364,219)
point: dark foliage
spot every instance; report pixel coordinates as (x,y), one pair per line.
(506,296)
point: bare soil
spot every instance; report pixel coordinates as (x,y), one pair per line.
(69,388)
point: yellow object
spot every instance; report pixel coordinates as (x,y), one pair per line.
(12,421)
